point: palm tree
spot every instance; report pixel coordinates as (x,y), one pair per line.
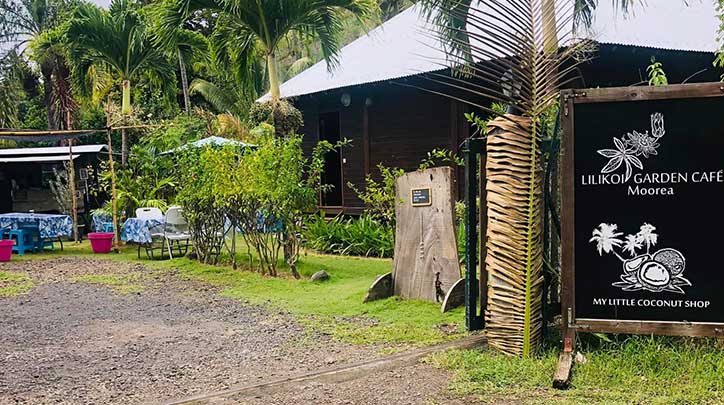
(115,44)
(250,26)
(647,236)
(607,238)
(23,24)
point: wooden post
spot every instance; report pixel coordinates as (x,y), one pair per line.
(71,180)
(114,196)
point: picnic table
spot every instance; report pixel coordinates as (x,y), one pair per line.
(51,226)
(138,230)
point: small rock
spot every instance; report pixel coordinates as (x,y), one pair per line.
(320,276)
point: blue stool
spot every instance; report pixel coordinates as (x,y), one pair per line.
(108,227)
(24,240)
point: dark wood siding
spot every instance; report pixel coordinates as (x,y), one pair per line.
(406,124)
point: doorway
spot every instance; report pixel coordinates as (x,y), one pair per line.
(329,130)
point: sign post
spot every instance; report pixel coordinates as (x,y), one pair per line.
(643,191)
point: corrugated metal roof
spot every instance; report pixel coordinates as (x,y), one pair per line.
(400,47)
(53,150)
(35,159)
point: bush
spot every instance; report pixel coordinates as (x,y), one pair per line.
(285,118)
(363,236)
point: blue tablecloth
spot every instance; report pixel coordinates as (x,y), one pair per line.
(51,226)
(100,221)
(138,230)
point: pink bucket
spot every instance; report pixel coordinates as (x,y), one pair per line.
(101,242)
(6,250)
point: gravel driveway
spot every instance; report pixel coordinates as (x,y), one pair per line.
(74,342)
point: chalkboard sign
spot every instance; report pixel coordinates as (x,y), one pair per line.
(421,197)
(643,210)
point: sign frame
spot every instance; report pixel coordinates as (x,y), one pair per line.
(571,324)
(423,204)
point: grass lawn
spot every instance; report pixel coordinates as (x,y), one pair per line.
(626,370)
(623,370)
(334,307)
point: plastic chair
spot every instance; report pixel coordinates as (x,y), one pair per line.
(176,229)
(149,213)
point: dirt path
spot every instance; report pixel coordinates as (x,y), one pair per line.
(74,342)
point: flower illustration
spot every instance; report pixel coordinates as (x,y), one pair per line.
(642,143)
(623,154)
(634,145)
(657,125)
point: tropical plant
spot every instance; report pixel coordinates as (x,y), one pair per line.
(363,236)
(113,47)
(520,39)
(657,76)
(26,24)
(250,28)
(380,196)
(12,91)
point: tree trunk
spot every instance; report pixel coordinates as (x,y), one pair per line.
(126,106)
(47,73)
(274,86)
(550,29)
(184,82)
(124,148)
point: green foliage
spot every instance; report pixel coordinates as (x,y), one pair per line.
(281,114)
(439,157)
(257,190)
(657,76)
(379,196)
(363,236)
(176,132)
(147,181)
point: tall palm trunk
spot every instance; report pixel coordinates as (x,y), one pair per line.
(184,82)
(274,86)
(47,72)
(126,111)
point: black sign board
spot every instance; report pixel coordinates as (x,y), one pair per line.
(642,210)
(421,197)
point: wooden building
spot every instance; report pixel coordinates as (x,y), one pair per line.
(374,96)
(26,173)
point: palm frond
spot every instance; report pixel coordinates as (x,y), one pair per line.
(532,43)
(218,97)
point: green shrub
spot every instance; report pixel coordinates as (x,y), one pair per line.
(285,118)
(363,236)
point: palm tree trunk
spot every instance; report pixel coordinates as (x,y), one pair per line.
(274,86)
(550,29)
(184,82)
(47,73)
(126,106)
(124,147)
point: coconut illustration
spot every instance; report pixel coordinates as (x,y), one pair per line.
(672,259)
(657,272)
(654,275)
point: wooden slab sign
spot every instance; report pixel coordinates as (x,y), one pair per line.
(643,210)
(426,261)
(421,197)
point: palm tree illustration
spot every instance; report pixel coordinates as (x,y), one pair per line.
(632,244)
(607,238)
(647,236)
